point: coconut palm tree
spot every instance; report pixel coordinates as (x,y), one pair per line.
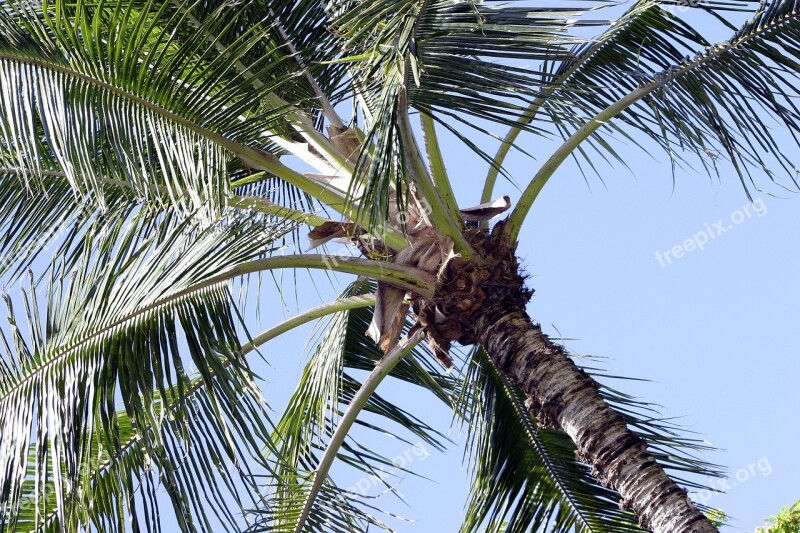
(159,157)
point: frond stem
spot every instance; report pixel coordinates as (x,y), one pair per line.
(253,157)
(533,109)
(535,186)
(327,109)
(402,276)
(298,119)
(344,304)
(437,211)
(378,374)
(253,203)
(436,162)
(335,306)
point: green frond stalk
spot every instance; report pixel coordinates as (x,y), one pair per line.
(402,276)
(302,123)
(178,398)
(344,304)
(436,161)
(533,189)
(262,205)
(382,369)
(253,203)
(532,110)
(438,211)
(322,98)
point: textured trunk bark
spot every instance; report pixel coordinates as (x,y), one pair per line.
(560,394)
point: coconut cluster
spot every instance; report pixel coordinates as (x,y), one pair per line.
(467,290)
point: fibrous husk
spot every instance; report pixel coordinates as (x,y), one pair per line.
(463,286)
(346,141)
(467,290)
(389,316)
(255,165)
(333,230)
(426,252)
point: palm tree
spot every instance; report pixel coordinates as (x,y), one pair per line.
(171,152)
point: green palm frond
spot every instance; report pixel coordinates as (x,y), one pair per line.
(125,483)
(708,100)
(325,389)
(642,37)
(304,27)
(110,333)
(109,110)
(470,56)
(299,30)
(338,510)
(281,193)
(646,39)
(134,93)
(526,477)
(39,217)
(444,57)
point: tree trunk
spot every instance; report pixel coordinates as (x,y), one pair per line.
(560,394)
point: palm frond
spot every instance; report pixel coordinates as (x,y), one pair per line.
(134,93)
(630,45)
(110,333)
(707,100)
(47,215)
(300,28)
(284,194)
(339,510)
(325,389)
(124,484)
(474,59)
(442,55)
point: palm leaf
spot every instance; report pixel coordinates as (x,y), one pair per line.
(110,333)
(416,53)
(45,215)
(326,387)
(702,99)
(134,93)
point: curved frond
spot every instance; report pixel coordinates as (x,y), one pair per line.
(326,387)
(110,333)
(452,58)
(47,215)
(708,100)
(138,94)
